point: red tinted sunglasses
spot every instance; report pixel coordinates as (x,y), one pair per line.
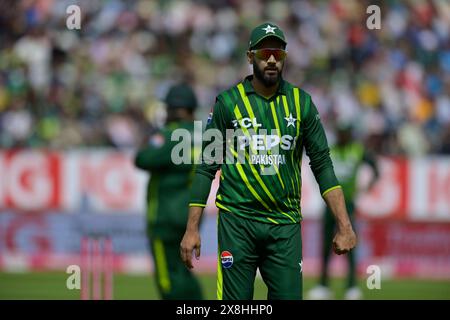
(265,53)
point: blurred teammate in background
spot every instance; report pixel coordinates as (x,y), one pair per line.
(348,156)
(168,197)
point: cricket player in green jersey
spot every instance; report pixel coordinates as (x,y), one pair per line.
(259,193)
(168,198)
(348,156)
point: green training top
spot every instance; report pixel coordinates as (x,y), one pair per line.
(266,186)
(348,159)
(169,184)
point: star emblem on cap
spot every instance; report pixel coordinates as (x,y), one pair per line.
(290,120)
(269,29)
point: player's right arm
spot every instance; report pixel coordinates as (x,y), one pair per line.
(191,239)
(201,185)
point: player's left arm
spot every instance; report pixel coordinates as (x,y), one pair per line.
(316,146)
(345,238)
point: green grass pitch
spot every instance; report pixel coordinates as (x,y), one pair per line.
(52,285)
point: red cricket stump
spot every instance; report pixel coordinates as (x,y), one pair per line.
(108,265)
(97,258)
(85,268)
(96,269)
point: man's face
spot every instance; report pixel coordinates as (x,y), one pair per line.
(269,70)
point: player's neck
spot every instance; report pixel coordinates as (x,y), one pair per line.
(262,90)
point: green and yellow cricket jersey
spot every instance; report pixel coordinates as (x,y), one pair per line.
(266,186)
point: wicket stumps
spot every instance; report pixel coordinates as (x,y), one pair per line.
(96,263)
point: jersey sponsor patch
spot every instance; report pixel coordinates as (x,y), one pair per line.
(227,259)
(156,140)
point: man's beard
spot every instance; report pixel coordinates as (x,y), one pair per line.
(267,80)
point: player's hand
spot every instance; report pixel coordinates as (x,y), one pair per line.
(344,241)
(191,241)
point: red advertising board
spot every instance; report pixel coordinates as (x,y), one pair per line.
(30,180)
(107,182)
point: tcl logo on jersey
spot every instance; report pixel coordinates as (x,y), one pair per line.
(246,123)
(227,259)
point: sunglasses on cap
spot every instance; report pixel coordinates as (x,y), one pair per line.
(265,53)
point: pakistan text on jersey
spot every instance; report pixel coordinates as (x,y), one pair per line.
(272,159)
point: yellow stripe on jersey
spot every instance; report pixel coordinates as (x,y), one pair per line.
(247,104)
(271,220)
(197,205)
(161,265)
(277,126)
(297,108)
(330,189)
(274,115)
(221,206)
(219,268)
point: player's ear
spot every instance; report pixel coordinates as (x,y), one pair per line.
(250,57)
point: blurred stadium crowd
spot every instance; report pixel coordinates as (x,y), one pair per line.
(101,85)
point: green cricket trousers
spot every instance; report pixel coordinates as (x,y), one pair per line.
(246,245)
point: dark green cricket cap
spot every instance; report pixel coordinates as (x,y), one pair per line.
(264,31)
(181,96)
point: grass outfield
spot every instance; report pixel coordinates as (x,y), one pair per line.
(52,285)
